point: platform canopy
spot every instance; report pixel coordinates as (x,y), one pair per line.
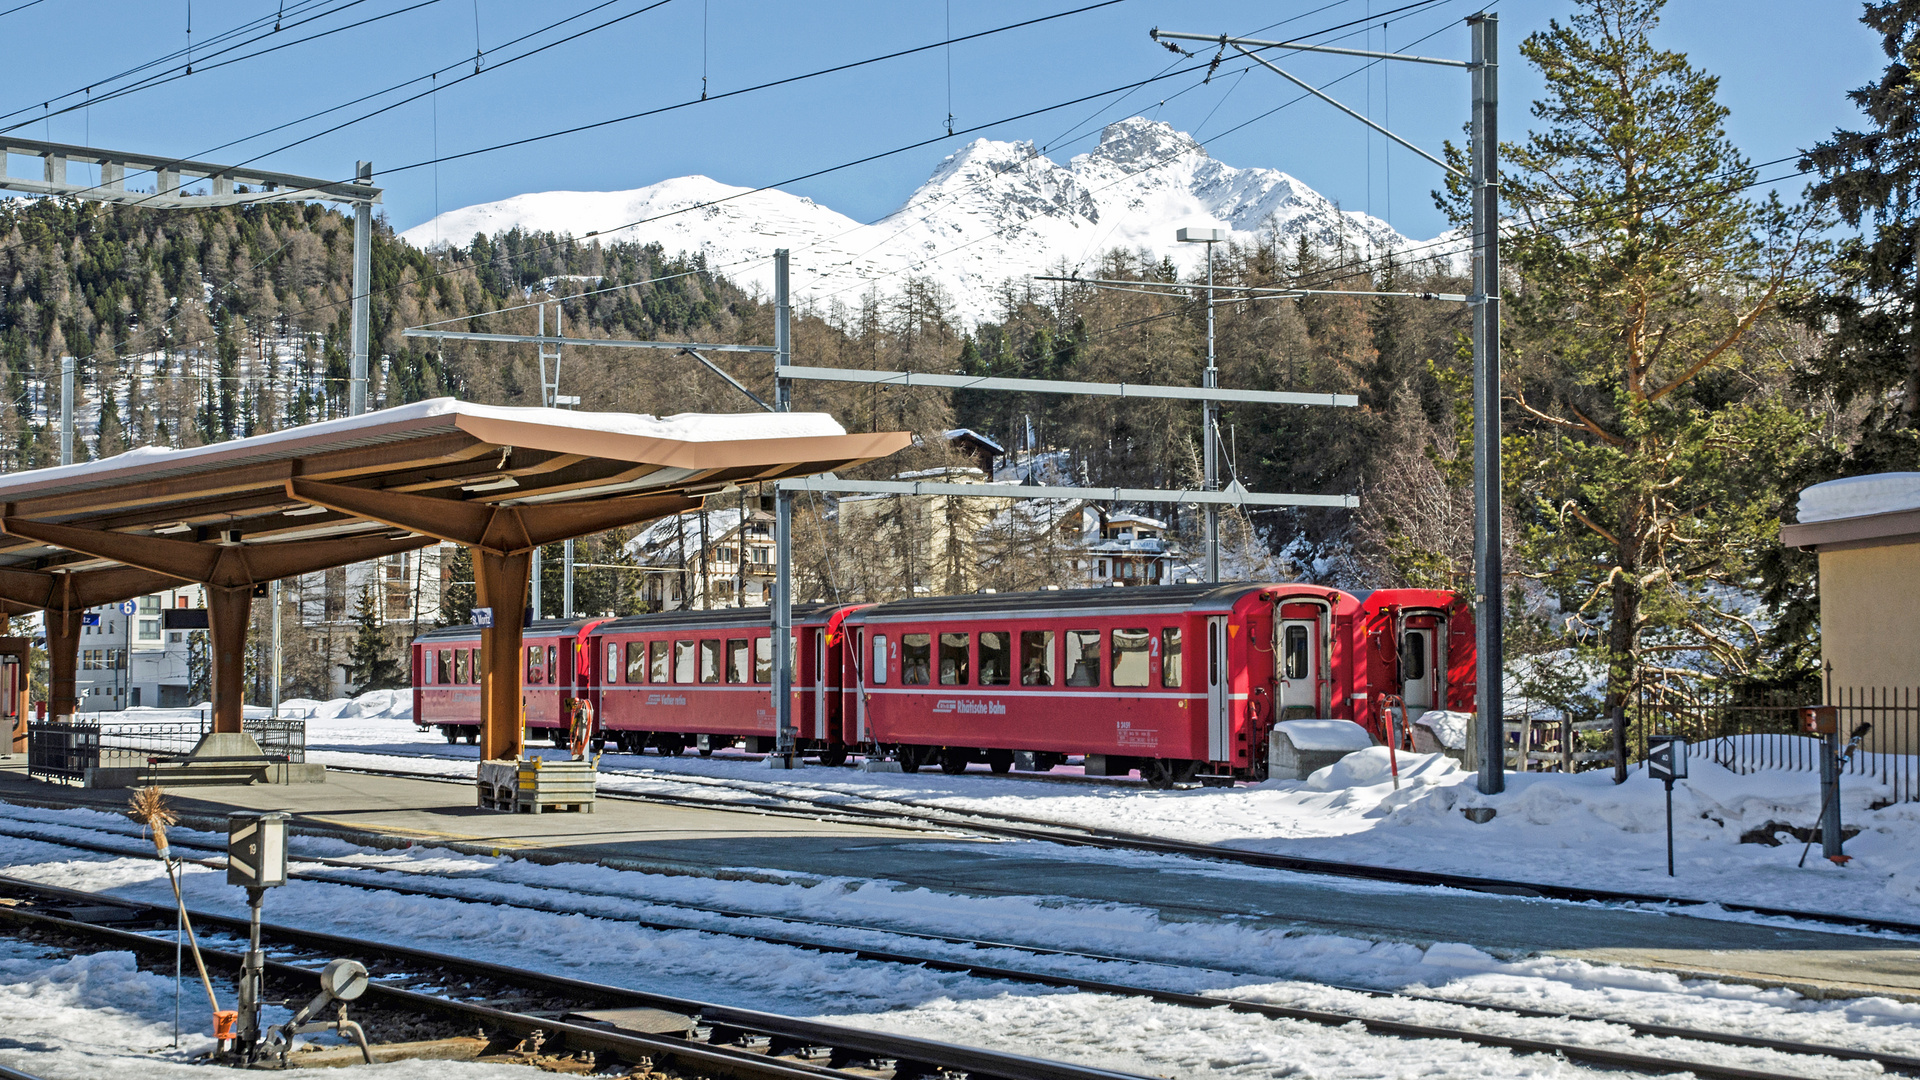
(499,480)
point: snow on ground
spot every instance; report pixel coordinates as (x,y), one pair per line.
(1548,827)
(589,933)
(97,1014)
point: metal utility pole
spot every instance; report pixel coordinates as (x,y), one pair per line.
(1488,612)
(274,599)
(1483,177)
(66,410)
(1209,447)
(362,287)
(784,756)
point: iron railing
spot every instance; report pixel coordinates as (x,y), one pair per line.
(1750,732)
(66,750)
(62,751)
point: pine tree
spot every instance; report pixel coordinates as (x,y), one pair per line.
(1871,312)
(370,661)
(1644,422)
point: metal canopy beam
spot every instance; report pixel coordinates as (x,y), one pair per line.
(1057,386)
(170,176)
(1233,496)
(609,343)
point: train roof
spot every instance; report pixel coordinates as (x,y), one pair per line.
(1132,598)
(461,632)
(722,617)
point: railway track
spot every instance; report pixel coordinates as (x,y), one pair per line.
(745,1044)
(1469,1012)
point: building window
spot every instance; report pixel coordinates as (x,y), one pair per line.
(1103,569)
(149,605)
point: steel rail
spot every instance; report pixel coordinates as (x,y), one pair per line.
(974,1061)
(970,1060)
(1892,1062)
(1029,828)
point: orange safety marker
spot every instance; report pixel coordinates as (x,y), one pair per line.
(223,1021)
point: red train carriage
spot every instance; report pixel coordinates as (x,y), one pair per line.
(1171,680)
(704,678)
(446,678)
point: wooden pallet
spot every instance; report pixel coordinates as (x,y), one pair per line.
(534,786)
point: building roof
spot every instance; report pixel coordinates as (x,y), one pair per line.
(969,433)
(1857,511)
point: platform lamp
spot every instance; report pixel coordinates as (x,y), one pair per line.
(1209,448)
(257,860)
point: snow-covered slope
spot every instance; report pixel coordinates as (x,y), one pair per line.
(991,212)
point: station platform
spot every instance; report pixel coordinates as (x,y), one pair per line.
(389,811)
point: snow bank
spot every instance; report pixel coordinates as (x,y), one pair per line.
(1857,496)
(1327,735)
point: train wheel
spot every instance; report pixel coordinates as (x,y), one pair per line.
(452,734)
(473,736)
(834,756)
(955,759)
(909,758)
(706,751)
(1000,761)
(673,745)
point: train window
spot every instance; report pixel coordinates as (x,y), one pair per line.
(534,674)
(657,664)
(763,659)
(1294,653)
(996,658)
(737,671)
(446,666)
(1036,658)
(1083,658)
(879,672)
(683,661)
(953,659)
(459,665)
(1170,673)
(613,663)
(1130,657)
(637,661)
(553,665)
(793,659)
(473,664)
(916,659)
(710,660)
(1413,657)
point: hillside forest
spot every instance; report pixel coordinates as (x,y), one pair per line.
(1683,353)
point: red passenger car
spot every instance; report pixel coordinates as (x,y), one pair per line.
(446,678)
(1176,681)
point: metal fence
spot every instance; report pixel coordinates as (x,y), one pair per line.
(62,751)
(1750,732)
(65,750)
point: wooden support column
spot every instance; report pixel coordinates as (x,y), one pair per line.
(229,610)
(63,655)
(501,584)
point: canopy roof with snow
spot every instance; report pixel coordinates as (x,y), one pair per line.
(323,495)
(1879,508)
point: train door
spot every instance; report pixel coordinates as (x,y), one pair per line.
(820,684)
(1423,663)
(1219,721)
(1297,649)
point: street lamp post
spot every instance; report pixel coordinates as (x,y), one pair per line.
(1210,452)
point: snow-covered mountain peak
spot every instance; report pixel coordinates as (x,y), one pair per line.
(1140,143)
(990,213)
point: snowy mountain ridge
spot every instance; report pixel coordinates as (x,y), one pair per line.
(991,212)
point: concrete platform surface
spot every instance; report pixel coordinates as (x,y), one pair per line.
(643,836)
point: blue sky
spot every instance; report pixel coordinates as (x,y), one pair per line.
(1784,69)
